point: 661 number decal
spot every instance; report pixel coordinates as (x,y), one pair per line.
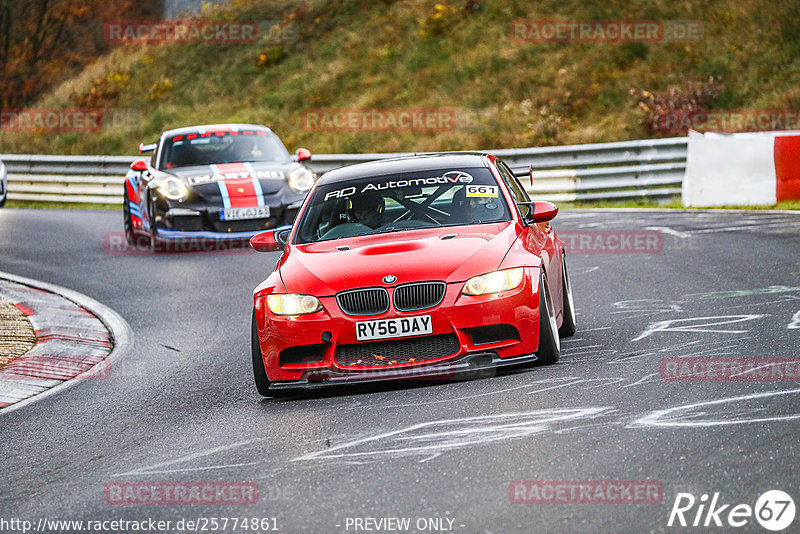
(482,191)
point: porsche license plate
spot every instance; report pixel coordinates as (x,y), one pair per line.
(397,327)
(235,214)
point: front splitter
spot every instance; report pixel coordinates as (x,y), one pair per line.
(470,364)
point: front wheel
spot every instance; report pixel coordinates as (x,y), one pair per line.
(549,343)
(259,373)
(126,216)
(568,308)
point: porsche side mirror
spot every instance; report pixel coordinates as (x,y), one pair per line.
(303,154)
(139,165)
(541,211)
(147,148)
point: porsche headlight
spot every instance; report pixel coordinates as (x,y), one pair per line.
(493,282)
(173,188)
(291,304)
(301,180)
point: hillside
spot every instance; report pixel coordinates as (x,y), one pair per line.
(452,57)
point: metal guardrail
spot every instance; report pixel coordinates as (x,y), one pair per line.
(83,179)
(603,171)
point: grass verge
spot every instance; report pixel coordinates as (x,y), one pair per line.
(37,204)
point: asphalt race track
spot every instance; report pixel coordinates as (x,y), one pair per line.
(181,405)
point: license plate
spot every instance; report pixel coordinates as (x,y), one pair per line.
(234,214)
(397,327)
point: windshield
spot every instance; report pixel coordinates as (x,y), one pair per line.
(221,147)
(398,202)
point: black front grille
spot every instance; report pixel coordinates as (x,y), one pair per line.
(371,301)
(186,223)
(397,351)
(419,296)
(245,225)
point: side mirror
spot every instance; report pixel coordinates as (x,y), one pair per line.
(541,211)
(271,240)
(265,242)
(139,165)
(303,154)
(147,148)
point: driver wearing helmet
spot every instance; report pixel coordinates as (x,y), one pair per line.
(475,209)
(367,209)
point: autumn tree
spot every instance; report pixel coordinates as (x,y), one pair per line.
(42,42)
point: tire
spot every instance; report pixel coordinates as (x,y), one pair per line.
(155,244)
(259,373)
(568,316)
(549,344)
(126,217)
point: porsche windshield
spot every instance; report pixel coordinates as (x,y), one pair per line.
(398,202)
(221,147)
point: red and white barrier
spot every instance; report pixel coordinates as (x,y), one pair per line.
(747,169)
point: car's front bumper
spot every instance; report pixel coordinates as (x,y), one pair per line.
(471,332)
(201,219)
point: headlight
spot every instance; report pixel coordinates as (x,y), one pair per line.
(301,180)
(173,188)
(493,282)
(291,304)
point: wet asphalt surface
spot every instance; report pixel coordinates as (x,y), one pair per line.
(180,406)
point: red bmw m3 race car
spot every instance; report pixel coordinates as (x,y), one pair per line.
(422,266)
(217,182)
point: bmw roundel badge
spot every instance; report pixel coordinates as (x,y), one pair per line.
(389,279)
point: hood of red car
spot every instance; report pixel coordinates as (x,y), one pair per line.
(451,254)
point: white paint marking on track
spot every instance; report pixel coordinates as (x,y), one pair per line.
(795,324)
(200,454)
(736,293)
(738,228)
(670,231)
(436,437)
(644,380)
(700,415)
(679,325)
(565,381)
